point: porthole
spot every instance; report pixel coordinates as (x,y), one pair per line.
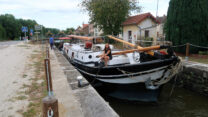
(90,56)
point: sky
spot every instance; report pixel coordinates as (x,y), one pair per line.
(64,14)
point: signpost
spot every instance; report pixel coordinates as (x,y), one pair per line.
(38,28)
(24,30)
(31,32)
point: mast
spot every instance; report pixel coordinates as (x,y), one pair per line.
(81,37)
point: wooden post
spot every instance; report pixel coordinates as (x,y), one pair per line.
(50,107)
(187,51)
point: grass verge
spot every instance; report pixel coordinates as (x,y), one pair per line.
(36,90)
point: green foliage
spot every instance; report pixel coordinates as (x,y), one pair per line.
(109,14)
(12,26)
(69,31)
(50,31)
(187,22)
(203,52)
(2,33)
(149,41)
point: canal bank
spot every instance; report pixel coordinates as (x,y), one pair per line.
(76,101)
(194,77)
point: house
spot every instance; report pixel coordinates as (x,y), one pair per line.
(160,27)
(91,30)
(140,27)
(78,31)
(85,29)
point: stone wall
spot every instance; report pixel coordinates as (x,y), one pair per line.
(194,77)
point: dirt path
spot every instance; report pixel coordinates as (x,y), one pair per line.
(14,62)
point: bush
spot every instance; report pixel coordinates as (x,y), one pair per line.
(203,52)
(148,42)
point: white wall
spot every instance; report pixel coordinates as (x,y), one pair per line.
(136,32)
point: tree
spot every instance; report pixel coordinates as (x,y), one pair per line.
(50,31)
(69,31)
(10,24)
(108,15)
(187,22)
(2,33)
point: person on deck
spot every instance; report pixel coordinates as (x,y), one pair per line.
(106,56)
(51,41)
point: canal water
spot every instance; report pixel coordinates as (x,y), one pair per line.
(182,103)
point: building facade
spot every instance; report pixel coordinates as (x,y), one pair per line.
(140,27)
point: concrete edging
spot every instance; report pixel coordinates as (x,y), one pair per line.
(92,104)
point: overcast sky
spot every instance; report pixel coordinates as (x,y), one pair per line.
(63,13)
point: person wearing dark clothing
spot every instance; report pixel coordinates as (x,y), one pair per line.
(51,41)
(107,55)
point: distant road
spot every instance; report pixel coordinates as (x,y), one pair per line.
(6,44)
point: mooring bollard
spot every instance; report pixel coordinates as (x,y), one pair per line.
(187,51)
(79,79)
(50,107)
(50,103)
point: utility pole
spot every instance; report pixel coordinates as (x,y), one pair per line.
(157,8)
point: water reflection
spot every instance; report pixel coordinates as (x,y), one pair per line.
(182,103)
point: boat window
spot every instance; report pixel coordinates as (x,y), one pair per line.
(96,48)
(72,54)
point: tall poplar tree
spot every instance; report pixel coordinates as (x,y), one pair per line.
(187,21)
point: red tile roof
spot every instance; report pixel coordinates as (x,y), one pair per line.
(138,19)
(84,25)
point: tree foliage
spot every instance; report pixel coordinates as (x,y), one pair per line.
(2,33)
(187,22)
(109,14)
(69,31)
(11,27)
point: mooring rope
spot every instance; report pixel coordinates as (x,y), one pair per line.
(178,46)
(174,70)
(202,47)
